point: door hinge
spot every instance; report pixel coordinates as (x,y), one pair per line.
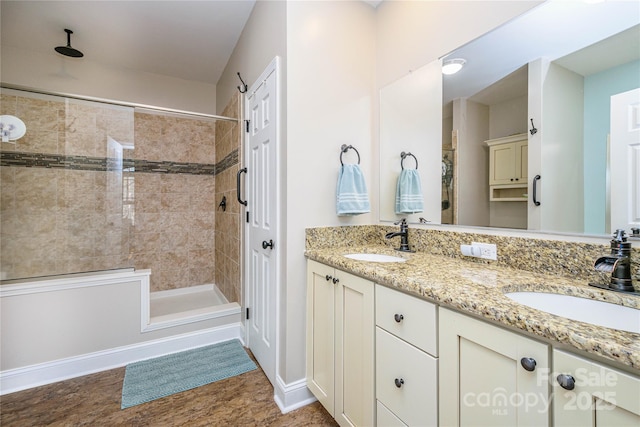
(247,317)
(247,217)
(246,122)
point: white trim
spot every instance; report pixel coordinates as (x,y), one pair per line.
(72,282)
(292,396)
(49,372)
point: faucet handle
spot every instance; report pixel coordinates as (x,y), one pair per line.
(619,236)
(403,222)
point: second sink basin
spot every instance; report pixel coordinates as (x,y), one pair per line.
(595,312)
(375,257)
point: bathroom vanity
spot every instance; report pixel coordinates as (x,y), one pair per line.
(444,346)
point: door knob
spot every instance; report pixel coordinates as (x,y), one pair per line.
(266,244)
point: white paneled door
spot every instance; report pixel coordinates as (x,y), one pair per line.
(625,160)
(263,246)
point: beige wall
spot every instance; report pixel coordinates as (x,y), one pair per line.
(263,38)
(51,73)
(330,78)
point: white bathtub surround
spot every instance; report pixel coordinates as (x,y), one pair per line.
(55,329)
(165,309)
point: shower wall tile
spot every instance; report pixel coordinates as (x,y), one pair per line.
(227,224)
(8,104)
(186,213)
(39,114)
(92,219)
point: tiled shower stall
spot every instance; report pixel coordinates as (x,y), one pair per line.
(95,186)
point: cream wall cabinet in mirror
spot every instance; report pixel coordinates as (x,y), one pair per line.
(508,160)
(558,64)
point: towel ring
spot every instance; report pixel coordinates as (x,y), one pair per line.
(346,148)
(404,156)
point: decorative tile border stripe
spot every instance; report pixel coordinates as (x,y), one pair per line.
(104,164)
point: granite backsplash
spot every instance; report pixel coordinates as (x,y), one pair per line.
(553,257)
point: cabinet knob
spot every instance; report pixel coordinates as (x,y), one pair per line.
(335,280)
(511,179)
(566,381)
(399,382)
(528,363)
(398,317)
(328,277)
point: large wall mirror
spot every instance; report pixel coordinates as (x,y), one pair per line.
(533,108)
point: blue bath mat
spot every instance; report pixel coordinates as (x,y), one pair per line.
(160,377)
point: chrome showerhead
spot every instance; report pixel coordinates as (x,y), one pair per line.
(68,50)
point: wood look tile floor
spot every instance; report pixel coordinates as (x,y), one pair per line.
(94,400)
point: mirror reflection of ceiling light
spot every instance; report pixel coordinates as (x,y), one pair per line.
(452,66)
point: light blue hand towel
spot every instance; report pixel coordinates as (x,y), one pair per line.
(409,192)
(352,196)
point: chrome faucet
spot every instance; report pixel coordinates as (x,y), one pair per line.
(618,263)
(404,235)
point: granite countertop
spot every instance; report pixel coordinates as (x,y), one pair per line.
(478,289)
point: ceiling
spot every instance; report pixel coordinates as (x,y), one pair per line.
(190,40)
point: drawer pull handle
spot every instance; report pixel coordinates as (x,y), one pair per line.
(328,277)
(335,280)
(399,382)
(567,382)
(398,317)
(528,363)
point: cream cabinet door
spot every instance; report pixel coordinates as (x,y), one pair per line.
(508,160)
(502,164)
(592,394)
(340,344)
(483,380)
(320,371)
(354,356)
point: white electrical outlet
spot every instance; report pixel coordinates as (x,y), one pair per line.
(487,250)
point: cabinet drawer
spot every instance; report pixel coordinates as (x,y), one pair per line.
(386,418)
(415,372)
(407,317)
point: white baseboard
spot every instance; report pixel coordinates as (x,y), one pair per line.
(292,396)
(50,372)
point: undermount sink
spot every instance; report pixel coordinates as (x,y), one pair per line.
(375,257)
(595,312)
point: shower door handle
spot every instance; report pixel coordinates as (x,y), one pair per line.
(240,172)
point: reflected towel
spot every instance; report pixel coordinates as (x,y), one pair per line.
(352,196)
(409,192)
